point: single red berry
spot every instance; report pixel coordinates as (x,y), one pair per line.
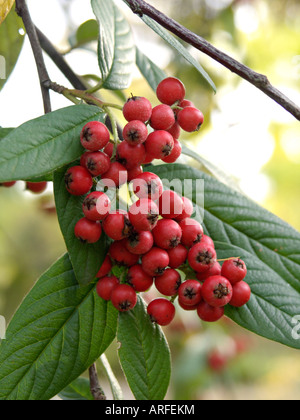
(105,268)
(137,108)
(208,313)
(217,361)
(117,225)
(78,180)
(167,234)
(124,298)
(147,185)
(87,231)
(234,270)
(94,136)
(159,144)
(143,215)
(105,287)
(161,311)
(135,132)
(192,232)
(162,117)
(155,262)
(175,131)
(169,283)
(121,255)
(134,172)
(214,270)
(241,294)
(189,293)
(97,163)
(130,156)
(175,154)
(8,184)
(188,307)
(36,187)
(188,210)
(148,159)
(178,256)
(139,243)
(190,119)
(116,176)
(138,279)
(96,206)
(207,240)
(170,90)
(201,257)
(185,103)
(170,205)
(217,291)
(109,149)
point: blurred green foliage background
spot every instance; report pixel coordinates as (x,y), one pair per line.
(245,134)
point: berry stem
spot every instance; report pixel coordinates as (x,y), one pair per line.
(228,259)
(114,129)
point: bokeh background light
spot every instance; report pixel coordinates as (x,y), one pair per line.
(246,135)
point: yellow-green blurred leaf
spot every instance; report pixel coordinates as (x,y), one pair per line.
(5,6)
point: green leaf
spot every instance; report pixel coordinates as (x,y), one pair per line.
(59,331)
(270,247)
(44,144)
(78,390)
(114,384)
(4,132)
(116,49)
(152,73)
(87,32)
(144,354)
(86,258)
(11,42)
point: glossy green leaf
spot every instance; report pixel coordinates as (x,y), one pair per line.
(116,49)
(152,73)
(144,354)
(269,246)
(57,333)
(45,144)
(11,43)
(86,258)
(4,132)
(78,390)
(87,32)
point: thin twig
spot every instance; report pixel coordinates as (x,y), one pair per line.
(140,8)
(96,390)
(23,12)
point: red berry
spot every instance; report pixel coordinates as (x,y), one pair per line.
(214,270)
(234,270)
(161,311)
(241,294)
(170,205)
(167,234)
(189,293)
(137,108)
(162,118)
(185,103)
(217,361)
(188,307)
(109,149)
(175,131)
(138,279)
(105,287)
(116,175)
(169,283)
(124,297)
(170,90)
(192,232)
(130,156)
(148,159)
(208,313)
(121,255)
(143,215)
(135,132)
(87,231)
(217,291)
(105,268)
(159,144)
(188,210)
(8,184)
(97,163)
(175,154)
(201,257)
(134,172)
(94,136)
(36,187)
(155,262)
(96,206)
(117,225)
(178,256)
(190,119)
(139,243)
(207,240)
(78,181)
(147,185)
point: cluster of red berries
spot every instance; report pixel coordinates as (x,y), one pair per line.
(34,187)
(157,235)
